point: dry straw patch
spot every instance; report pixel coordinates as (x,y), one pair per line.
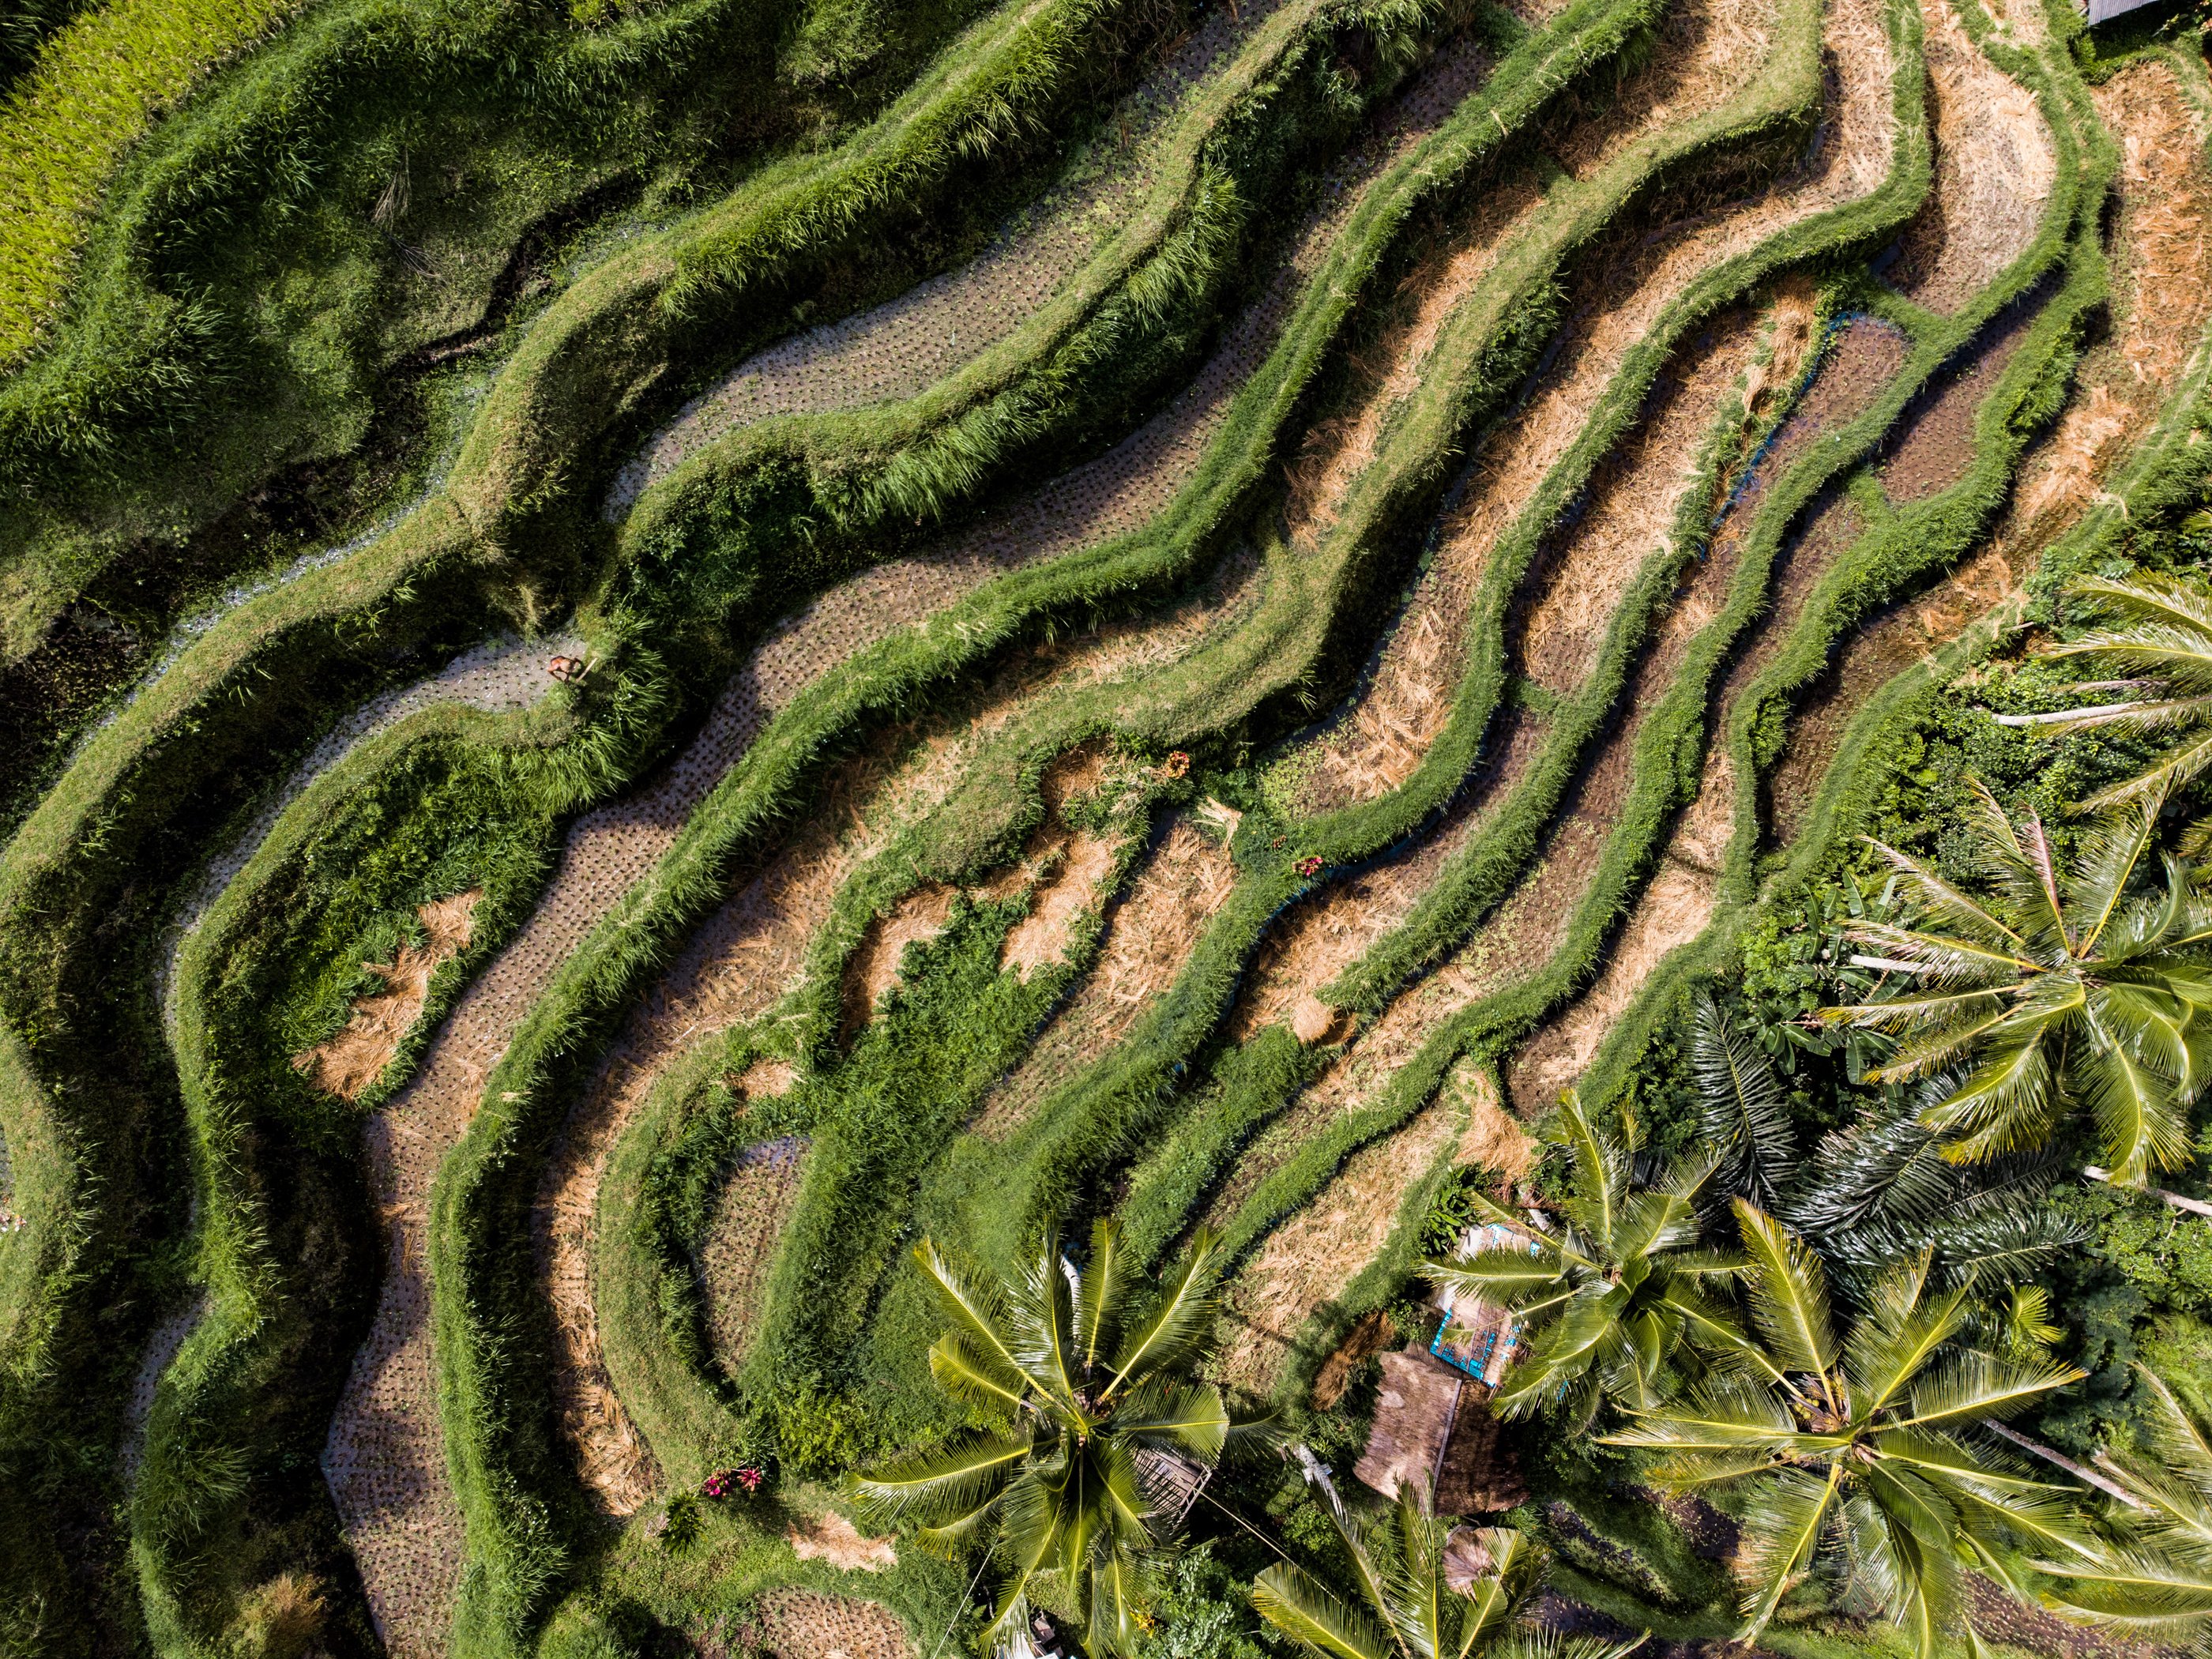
(348,1062)
(1673,910)
(1150,934)
(1373,1334)
(1327,933)
(1074,885)
(1312,1257)
(1708,52)
(802,1622)
(2163,255)
(1995,166)
(830,1537)
(917,918)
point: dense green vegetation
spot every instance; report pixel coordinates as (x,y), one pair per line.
(1167,619)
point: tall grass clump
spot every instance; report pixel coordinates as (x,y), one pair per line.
(96,88)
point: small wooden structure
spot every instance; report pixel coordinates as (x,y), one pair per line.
(1477,1337)
(1168,1484)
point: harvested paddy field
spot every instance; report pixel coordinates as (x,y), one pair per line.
(723,666)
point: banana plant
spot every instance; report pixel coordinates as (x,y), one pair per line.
(2056,987)
(1074,1485)
(1864,1455)
(1405,1605)
(1617,1301)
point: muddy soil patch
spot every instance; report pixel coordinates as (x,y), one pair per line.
(738,1251)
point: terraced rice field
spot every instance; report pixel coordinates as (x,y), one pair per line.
(1188,614)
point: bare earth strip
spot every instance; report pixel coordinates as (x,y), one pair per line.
(1275,1295)
(906,345)
(1863,359)
(1633,506)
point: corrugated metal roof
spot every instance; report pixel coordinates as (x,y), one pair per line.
(2102,11)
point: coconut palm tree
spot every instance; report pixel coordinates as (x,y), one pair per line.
(2155,1581)
(2056,987)
(1407,1606)
(1617,1298)
(2160,640)
(1096,1430)
(1863,1455)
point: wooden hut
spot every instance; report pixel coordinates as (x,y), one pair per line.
(1433,1428)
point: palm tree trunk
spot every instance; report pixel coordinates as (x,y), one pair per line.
(2076,1470)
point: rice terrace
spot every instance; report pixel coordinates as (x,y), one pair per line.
(1121,829)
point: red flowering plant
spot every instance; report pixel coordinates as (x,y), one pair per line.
(722,1482)
(1310,865)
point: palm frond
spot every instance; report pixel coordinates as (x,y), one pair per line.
(2106,864)
(1782,1528)
(1743,1113)
(2142,598)
(1179,1321)
(1098,1302)
(2140,1124)
(1169,1413)
(1304,1609)
(1974,1387)
(940,1485)
(1788,1293)
(1600,1164)
(1041,1322)
(970,1376)
(978,1310)
(2160,781)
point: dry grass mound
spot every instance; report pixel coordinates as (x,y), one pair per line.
(348,1062)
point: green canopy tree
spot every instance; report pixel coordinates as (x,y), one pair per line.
(2153,1580)
(1406,1607)
(2056,987)
(1864,1455)
(1072,1484)
(1617,1301)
